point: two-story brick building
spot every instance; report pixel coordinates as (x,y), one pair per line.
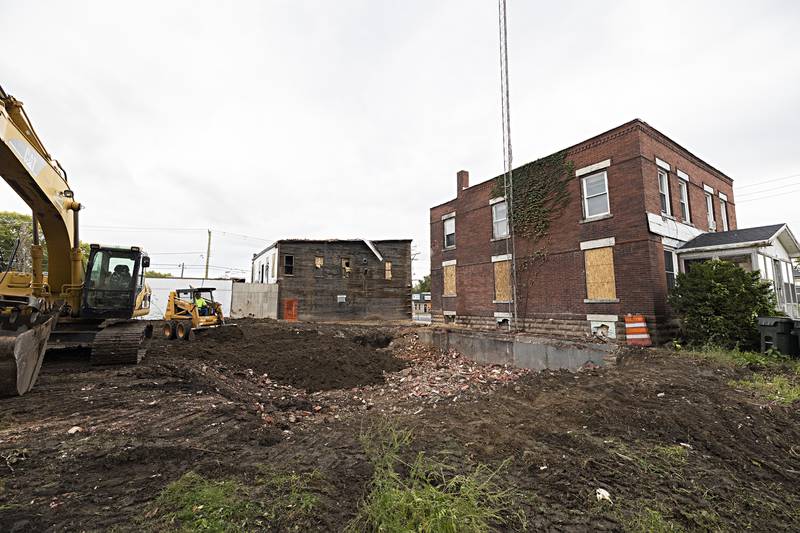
(634,196)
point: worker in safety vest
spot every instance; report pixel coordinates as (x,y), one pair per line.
(200,303)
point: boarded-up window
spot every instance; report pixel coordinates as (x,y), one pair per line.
(502,281)
(449,280)
(387,269)
(600,283)
(318,262)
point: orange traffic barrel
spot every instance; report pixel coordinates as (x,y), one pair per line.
(636,331)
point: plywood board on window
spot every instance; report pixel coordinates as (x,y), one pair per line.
(600,281)
(449,280)
(502,281)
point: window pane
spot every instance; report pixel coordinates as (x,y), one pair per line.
(663,203)
(595,184)
(597,205)
(499,211)
(450,225)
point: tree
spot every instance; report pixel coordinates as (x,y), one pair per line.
(718,303)
(156,274)
(423,285)
(15,226)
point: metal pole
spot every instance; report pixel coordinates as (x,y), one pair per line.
(182,265)
(208,253)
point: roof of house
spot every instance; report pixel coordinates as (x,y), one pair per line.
(368,242)
(745,237)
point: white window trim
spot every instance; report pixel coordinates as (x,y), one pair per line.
(598,243)
(684,186)
(682,175)
(449,313)
(723,197)
(665,192)
(451,262)
(712,222)
(663,164)
(448,215)
(586,199)
(497,200)
(499,314)
(508,227)
(592,168)
(602,318)
(708,188)
(499,258)
(451,216)
(723,212)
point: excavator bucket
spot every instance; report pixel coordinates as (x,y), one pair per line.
(21,356)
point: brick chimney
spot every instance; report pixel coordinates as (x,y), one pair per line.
(462,181)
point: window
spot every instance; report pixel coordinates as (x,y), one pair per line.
(684,198)
(670,265)
(449,274)
(595,195)
(723,212)
(712,225)
(288,265)
(500,220)
(387,270)
(502,281)
(663,191)
(319,261)
(600,282)
(450,232)
(346,267)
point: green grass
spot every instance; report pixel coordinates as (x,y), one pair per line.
(428,497)
(776,388)
(649,520)
(291,500)
(673,454)
(741,358)
(194,503)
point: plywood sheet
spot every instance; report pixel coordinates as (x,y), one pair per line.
(450,280)
(600,281)
(502,281)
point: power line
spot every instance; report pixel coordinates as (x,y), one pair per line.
(762,197)
(772,189)
(768,181)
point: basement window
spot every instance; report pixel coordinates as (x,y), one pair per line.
(450,232)
(387,270)
(346,267)
(288,265)
(595,195)
(341,298)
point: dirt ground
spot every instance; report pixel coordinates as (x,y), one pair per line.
(90,448)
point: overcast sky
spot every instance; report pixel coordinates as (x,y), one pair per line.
(350,118)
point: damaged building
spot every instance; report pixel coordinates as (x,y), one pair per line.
(338,279)
(633,205)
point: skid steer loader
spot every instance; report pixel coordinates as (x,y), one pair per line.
(192,310)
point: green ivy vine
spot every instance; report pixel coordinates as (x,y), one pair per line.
(540,194)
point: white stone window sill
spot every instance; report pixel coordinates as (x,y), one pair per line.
(448,249)
(611,301)
(449,295)
(502,301)
(595,219)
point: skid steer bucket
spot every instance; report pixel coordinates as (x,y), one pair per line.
(21,356)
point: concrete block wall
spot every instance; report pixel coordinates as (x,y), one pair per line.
(254,300)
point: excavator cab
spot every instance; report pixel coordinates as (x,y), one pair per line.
(114,281)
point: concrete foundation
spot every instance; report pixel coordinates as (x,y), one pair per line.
(522,351)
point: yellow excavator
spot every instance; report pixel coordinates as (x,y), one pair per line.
(71,305)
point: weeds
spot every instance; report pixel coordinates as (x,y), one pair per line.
(736,357)
(428,497)
(674,454)
(291,500)
(194,503)
(776,388)
(649,520)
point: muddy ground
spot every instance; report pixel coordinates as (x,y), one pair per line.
(91,448)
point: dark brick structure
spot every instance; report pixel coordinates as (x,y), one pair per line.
(339,279)
(552,295)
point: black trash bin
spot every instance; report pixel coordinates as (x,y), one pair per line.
(777,332)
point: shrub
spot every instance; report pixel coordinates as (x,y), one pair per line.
(718,304)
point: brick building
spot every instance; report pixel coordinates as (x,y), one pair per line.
(634,197)
(338,279)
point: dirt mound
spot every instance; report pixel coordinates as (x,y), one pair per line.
(304,356)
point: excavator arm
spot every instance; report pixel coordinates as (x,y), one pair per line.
(38,179)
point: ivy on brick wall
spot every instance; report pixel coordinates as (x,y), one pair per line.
(540,194)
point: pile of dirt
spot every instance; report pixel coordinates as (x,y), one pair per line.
(309,357)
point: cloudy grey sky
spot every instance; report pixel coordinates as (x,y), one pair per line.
(350,118)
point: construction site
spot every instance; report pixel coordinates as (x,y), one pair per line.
(588,341)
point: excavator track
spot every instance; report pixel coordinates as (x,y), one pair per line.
(121,343)
(21,355)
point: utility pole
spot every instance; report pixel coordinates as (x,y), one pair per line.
(208,252)
(182,266)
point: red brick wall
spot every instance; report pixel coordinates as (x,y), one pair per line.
(556,289)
